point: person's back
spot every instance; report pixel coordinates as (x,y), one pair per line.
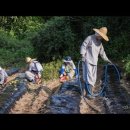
(35,67)
(34,71)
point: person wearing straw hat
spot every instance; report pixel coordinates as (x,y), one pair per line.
(34,70)
(68,69)
(90,49)
(3,76)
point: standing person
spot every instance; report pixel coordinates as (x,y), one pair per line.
(91,48)
(3,76)
(34,70)
(68,69)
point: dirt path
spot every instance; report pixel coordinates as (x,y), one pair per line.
(34,98)
(116,101)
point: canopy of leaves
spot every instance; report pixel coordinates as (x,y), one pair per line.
(52,37)
(55,40)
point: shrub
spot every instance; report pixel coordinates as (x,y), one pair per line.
(55,40)
(127,64)
(51,70)
(13,51)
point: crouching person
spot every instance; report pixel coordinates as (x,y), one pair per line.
(68,70)
(3,77)
(34,70)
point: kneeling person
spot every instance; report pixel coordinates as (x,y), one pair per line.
(68,70)
(34,70)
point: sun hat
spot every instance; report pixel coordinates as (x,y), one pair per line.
(102,32)
(29,59)
(67,59)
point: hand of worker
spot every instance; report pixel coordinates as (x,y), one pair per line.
(109,62)
(83,58)
(61,75)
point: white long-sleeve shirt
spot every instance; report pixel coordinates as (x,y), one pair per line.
(34,67)
(69,67)
(91,48)
(3,75)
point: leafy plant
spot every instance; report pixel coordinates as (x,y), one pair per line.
(127,64)
(13,51)
(51,70)
(55,40)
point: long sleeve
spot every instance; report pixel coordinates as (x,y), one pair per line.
(73,65)
(74,68)
(62,70)
(30,67)
(3,75)
(83,48)
(2,79)
(103,54)
(76,72)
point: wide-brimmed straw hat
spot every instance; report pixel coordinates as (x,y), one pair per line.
(102,32)
(29,59)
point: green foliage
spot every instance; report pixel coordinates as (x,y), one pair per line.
(13,51)
(127,64)
(118,48)
(55,40)
(21,26)
(51,70)
(50,38)
(118,32)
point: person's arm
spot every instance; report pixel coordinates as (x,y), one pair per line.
(83,48)
(76,73)
(6,75)
(2,78)
(103,55)
(30,67)
(62,70)
(74,68)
